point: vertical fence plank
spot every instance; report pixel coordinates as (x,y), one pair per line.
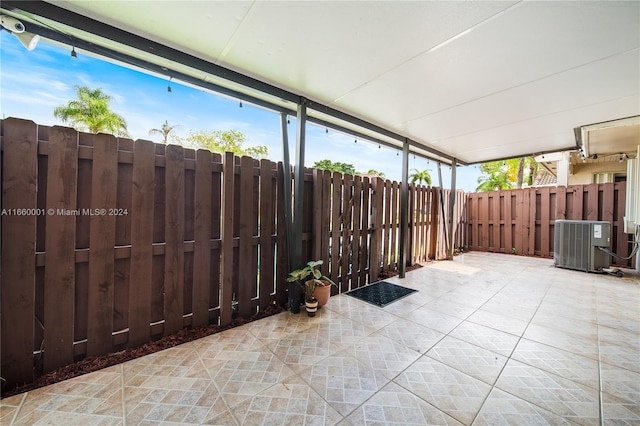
(202,238)
(142,224)
(620,238)
(592,201)
(19,178)
(317,214)
(281,240)
(545,221)
(495,213)
(508,222)
(60,248)
(578,200)
(377,212)
(561,202)
(103,239)
(531,228)
(267,231)
(434,234)
(325,225)
(364,248)
(336,213)
(247,278)
(355,242)
(386,240)
(395,198)
(174,240)
(228,190)
(345,243)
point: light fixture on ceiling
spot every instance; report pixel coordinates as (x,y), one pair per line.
(355,141)
(28,40)
(169,85)
(240,104)
(17,28)
(74,55)
(623,157)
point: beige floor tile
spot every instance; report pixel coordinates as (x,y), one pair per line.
(562,397)
(503,409)
(291,402)
(563,340)
(371,316)
(412,335)
(433,319)
(486,337)
(382,354)
(394,405)
(624,384)
(470,359)
(450,307)
(562,363)
(343,381)
(616,411)
(451,391)
(499,322)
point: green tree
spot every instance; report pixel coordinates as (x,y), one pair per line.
(496,175)
(222,141)
(91,111)
(164,131)
(420,177)
(372,172)
(344,168)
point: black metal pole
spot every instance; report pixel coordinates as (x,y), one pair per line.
(404,207)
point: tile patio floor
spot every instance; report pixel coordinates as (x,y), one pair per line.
(488,339)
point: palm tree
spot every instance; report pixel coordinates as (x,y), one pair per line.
(164,131)
(420,176)
(90,111)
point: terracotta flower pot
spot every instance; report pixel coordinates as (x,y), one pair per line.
(322,293)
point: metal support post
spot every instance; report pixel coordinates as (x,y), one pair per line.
(452,203)
(404,207)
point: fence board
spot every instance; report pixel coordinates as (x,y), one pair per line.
(508,223)
(364,252)
(386,237)
(216,212)
(592,201)
(174,240)
(345,243)
(142,220)
(19,178)
(60,247)
(246,275)
(578,200)
(336,224)
(282,270)
(495,213)
(545,221)
(228,190)
(377,212)
(355,242)
(325,226)
(393,224)
(202,238)
(102,253)
(267,230)
(317,214)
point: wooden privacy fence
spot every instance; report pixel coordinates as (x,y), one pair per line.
(109,243)
(522,221)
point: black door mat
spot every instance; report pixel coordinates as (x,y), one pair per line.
(381,293)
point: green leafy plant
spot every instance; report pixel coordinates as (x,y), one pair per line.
(310,276)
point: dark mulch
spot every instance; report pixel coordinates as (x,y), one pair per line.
(392,273)
(91,364)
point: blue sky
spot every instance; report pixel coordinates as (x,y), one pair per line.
(33,83)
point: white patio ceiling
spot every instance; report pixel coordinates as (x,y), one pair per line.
(474,80)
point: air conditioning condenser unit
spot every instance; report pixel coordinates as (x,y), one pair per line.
(576,245)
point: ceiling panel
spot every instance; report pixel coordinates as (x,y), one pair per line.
(477,80)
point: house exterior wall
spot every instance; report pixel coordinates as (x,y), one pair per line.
(583,173)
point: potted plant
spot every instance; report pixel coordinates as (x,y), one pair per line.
(317,286)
